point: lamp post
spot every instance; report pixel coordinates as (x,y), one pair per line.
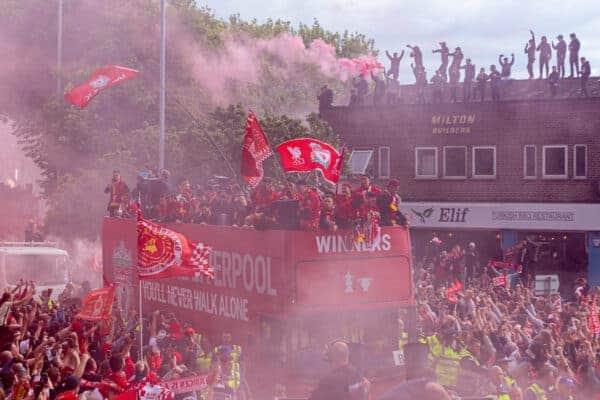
(163,51)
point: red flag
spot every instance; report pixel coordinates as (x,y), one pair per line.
(499,281)
(100,80)
(305,154)
(164,253)
(452,290)
(97,305)
(255,150)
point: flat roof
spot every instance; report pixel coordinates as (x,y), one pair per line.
(33,251)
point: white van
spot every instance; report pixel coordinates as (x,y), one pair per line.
(41,262)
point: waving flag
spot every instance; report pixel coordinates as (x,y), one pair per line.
(452,292)
(165,253)
(255,150)
(100,80)
(305,154)
(97,304)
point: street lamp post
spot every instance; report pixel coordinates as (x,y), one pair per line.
(163,50)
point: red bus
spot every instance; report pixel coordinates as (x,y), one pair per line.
(282,294)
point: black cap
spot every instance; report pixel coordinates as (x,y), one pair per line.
(71,383)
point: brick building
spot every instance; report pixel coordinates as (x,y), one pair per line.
(491,172)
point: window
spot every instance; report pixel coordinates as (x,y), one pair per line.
(554,162)
(530,162)
(359,161)
(384,162)
(426,162)
(484,162)
(580,161)
(455,162)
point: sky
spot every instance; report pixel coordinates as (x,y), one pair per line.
(482,28)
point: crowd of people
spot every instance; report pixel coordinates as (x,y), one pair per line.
(490,335)
(445,82)
(271,204)
(49,353)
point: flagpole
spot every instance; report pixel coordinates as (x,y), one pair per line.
(141,321)
(163,53)
(209,138)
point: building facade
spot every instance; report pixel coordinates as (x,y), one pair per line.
(500,171)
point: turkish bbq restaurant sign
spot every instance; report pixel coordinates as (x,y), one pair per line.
(518,216)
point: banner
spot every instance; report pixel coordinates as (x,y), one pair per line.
(255,150)
(164,253)
(503,265)
(305,155)
(186,385)
(97,305)
(100,80)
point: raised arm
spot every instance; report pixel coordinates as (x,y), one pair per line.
(500,60)
(388,55)
(401,54)
(512,59)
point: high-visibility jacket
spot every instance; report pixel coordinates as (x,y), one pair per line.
(403,340)
(503,392)
(236,352)
(540,393)
(445,362)
(233,380)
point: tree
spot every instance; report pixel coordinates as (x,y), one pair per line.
(77,149)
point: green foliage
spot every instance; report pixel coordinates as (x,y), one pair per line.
(77,149)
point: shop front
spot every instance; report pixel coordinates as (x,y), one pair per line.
(562,238)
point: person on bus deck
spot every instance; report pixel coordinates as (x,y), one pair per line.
(116,189)
(327,220)
(343,382)
(343,206)
(366,186)
(309,207)
(188,203)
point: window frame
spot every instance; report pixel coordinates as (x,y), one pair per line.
(444,161)
(566,152)
(575,176)
(389,156)
(483,147)
(535,171)
(363,150)
(437,171)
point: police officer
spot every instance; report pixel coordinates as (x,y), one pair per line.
(444,354)
(343,382)
(537,390)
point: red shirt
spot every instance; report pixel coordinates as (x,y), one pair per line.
(343,208)
(67,396)
(154,362)
(129,367)
(120,379)
(262,198)
(310,209)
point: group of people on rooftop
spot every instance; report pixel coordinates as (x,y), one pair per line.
(445,81)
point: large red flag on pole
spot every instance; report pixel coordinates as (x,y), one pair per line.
(255,150)
(305,154)
(163,253)
(100,80)
(97,304)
